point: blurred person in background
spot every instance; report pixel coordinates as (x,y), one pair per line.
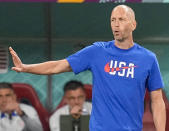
(16,116)
(74,95)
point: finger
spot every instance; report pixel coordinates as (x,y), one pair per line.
(12,51)
(76,116)
(80,110)
(10,48)
(16,62)
(16,59)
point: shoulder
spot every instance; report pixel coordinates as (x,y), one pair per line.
(89,104)
(100,44)
(145,52)
(88,107)
(61,111)
(27,109)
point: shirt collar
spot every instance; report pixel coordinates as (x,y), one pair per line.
(3,115)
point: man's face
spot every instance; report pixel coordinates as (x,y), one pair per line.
(75,97)
(122,24)
(6,97)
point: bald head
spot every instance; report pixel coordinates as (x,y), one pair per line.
(126,9)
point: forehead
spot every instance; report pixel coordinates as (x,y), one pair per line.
(119,12)
(5,91)
(75,93)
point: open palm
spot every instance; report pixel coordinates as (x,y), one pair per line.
(16,61)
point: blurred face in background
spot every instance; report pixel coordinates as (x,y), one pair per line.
(7,96)
(75,97)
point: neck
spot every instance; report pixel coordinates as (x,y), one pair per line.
(126,44)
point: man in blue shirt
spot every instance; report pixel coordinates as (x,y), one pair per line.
(121,69)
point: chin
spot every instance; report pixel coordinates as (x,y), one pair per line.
(119,40)
(2,110)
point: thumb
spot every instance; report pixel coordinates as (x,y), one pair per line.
(16,69)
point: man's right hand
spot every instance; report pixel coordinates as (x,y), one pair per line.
(76,111)
(13,106)
(19,66)
(44,68)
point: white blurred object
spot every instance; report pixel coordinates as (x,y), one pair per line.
(165,1)
(3,59)
(85,112)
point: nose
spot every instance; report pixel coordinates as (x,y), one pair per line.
(76,101)
(117,23)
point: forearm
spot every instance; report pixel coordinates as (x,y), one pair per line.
(159,115)
(46,68)
(32,124)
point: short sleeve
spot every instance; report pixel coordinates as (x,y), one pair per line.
(82,60)
(155,79)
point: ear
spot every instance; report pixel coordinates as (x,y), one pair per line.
(134,24)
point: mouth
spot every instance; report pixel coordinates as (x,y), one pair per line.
(116,33)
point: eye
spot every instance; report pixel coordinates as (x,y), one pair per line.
(81,97)
(112,20)
(8,95)
(71,98)
(121,19)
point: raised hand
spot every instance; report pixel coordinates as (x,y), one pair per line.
(13,106)
(44,68)
(76,111)
(19,66)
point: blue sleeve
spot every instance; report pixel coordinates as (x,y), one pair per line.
(81,60)
(155,79)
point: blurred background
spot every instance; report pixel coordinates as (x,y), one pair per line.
(52,31)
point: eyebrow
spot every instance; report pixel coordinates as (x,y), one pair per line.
(118,18)
(9,94)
